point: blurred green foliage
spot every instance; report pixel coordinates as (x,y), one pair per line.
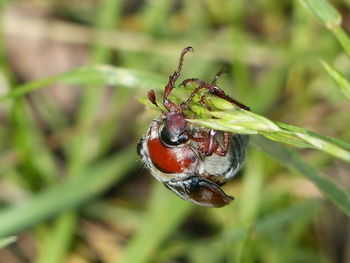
(70,180)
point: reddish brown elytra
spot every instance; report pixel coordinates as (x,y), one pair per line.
(188,159)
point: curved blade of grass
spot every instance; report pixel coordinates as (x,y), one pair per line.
(222,125)
(93,75)
(227,117)
(250,199)
(69,194)
(213,248)
(245,122)
(325,12)
(342,83)
(294,129)
(339,196)
(331,19)
(250,119)
(166,212)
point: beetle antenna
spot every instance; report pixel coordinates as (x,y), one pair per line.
(152,98)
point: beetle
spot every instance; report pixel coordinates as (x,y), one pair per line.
(190,160)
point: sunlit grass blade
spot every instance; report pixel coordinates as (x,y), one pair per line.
(67,195)
(325,12)
(93,75)
(342,83)
(274,222)
(165,214)
(245,122)
(250,199)
(250,120)
(223,125)
(62,229)
(335,141)
(286,157)
(331,18)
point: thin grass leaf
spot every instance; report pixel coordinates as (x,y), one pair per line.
(297,137)
(223,125)
(66,195)
(274,221)
(325,146)
(332,146)
(325,12)
(157,226)
(333,140)
(341,82)
(339,196)
(270,223)
(155,14)
(246,122)
(57,242)
(55,249)
(331,18)
(250,200)
(4,242)
(287,138)
(93,75)
(251,120)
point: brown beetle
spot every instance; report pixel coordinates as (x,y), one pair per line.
(189,159)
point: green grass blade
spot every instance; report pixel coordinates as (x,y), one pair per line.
(155,16)
(249,201)
(325,12)
(331,18)
(343,38)
(342,83)
(67,195)
(108,15)
(274,222)
(93,75)
(166,212)
(63,228)
(58,239)
(245,122)
(339,196)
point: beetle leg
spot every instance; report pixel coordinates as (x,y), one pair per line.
(221,94)
(168,104)
(202,141)
(217,76)
(198,81)
(200,191)
(203,101)
(214,146)
(212,143)
(222,151)
(184,105)
(208,144)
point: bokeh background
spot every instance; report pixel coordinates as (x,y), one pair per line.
(71,186)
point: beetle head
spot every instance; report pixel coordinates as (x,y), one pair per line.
(174,131)
(174,128)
